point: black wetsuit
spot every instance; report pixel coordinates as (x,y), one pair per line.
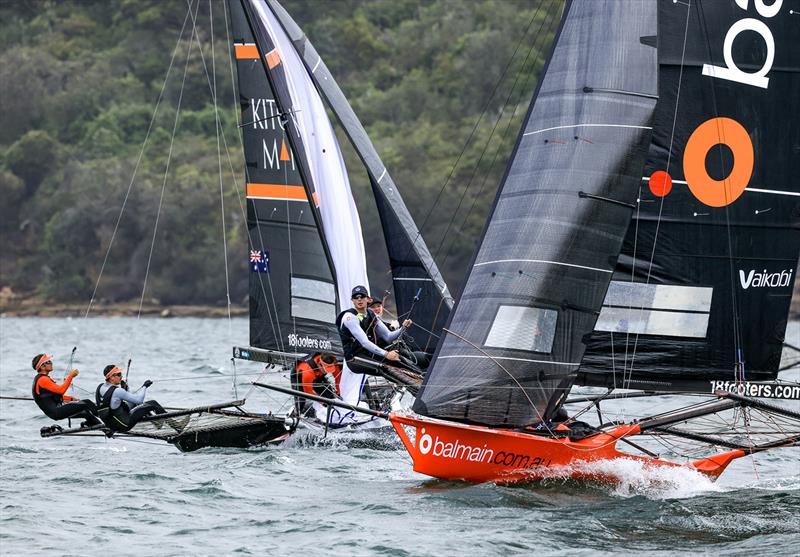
(123,418)
(54,407)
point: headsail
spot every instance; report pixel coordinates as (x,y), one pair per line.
(549,248)
(293,298)
(704,283)
(414,272)
(323,171)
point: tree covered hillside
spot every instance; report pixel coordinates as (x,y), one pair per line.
(440,85)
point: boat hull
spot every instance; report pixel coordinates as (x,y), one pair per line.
(454,451)
(247,434)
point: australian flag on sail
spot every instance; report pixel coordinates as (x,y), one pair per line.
(259,261)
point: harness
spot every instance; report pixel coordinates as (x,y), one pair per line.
(350,346)
(117,419)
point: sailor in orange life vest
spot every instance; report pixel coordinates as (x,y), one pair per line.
(353,325)
(119,409)
(320,374)
(50,397)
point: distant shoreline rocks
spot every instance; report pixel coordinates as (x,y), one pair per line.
(13,305)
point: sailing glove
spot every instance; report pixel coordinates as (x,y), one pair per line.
(147,383)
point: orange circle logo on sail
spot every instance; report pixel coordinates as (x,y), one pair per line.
(718,193)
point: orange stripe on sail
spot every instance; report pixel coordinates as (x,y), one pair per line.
(273,58)
(277,191)
(246,51)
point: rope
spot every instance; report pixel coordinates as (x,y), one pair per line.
(133,177)
(534,46)
(469,138)
(275,325)
(218,126)
(164,184)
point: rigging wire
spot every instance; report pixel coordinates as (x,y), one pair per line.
(484,110)
(275,325)
(163,186)
(218,125)
(737,333)
(534,47)
(133,176)
(627,376)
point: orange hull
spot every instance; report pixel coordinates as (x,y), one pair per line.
(454,451)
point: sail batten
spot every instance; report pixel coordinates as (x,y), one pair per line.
(548,251)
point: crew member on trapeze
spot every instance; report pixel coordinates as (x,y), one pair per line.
(320,374)
(353,325)
(50,397)
(418,357)
(119,409)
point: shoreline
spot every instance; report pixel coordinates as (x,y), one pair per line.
(37,308)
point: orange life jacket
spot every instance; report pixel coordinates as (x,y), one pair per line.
(310,376)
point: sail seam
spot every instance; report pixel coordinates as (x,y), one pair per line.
(542,261)
(514,359)
(587,126)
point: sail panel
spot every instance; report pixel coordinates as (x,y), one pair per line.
(284,240)
(728,222)
(418,284)
(548,251)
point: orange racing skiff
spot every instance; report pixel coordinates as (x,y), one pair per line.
(628,248)
(644,238)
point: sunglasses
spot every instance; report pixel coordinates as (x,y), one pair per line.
(359,297)
(116,375)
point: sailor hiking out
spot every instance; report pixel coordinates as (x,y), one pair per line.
(353,325)
(119,409)
(50,397)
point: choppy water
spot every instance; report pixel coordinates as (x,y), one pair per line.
(91,496)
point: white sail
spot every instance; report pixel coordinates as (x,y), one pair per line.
(340,220)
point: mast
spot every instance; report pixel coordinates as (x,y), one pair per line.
(414,272)
(293,298)
(703,287)
(537,282)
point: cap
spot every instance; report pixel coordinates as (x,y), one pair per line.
(376,302)
(359,291)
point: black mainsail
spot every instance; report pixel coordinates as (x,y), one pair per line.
(537,283)
(703,286)
(418,284)
(293,298)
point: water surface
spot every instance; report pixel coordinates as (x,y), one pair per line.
(352,496)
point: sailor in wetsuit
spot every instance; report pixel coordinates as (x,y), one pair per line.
(50,397)
(119,409)
(353,325)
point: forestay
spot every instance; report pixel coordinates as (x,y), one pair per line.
(549,248)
